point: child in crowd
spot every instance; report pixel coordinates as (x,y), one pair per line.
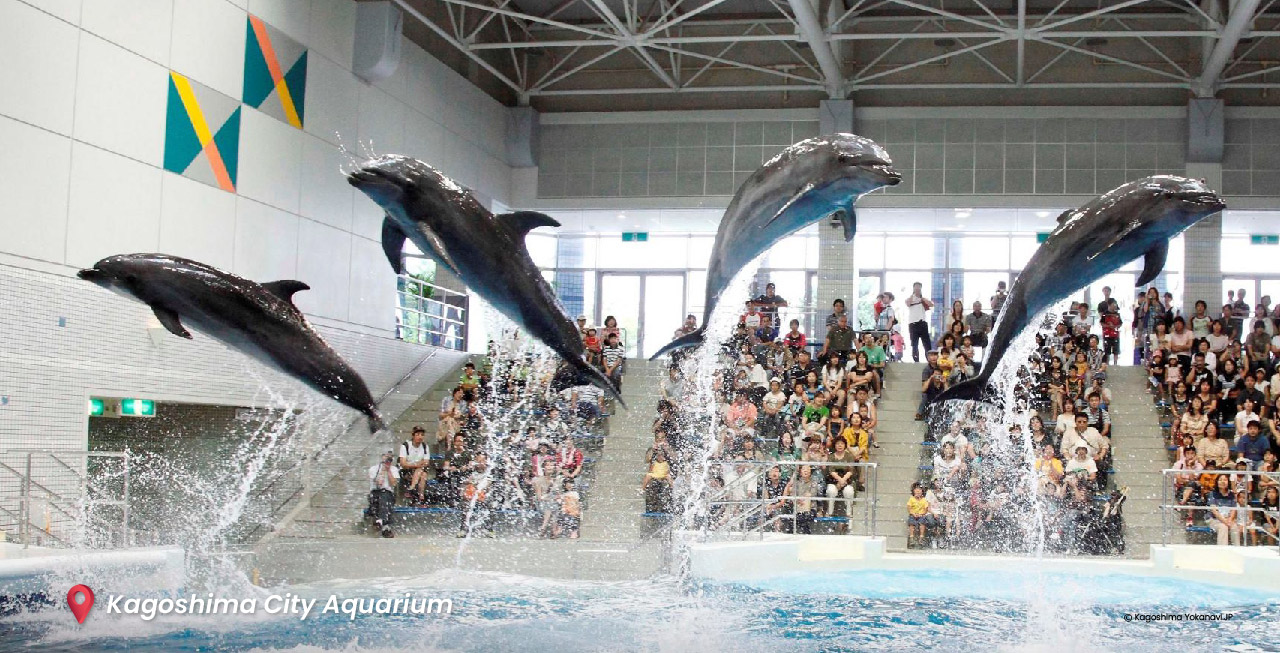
(918,519)
(570,511)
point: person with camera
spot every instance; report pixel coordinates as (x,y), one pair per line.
(918,307)
(382,492)
(933,383)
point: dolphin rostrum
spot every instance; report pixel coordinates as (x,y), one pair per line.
(804,183)
(259,320)
(1136,219)
(486,251)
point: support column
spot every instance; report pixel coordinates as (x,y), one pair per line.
(1202,253)
(835,116)
(837,271)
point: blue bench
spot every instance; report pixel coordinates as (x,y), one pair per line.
(926,468)
(1200,529)
(438,510)
(657,515)
(833,520)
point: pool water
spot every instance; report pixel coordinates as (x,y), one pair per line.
(886,610)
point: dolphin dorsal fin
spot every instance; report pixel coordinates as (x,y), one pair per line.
(1062,217)
(522,222)
(285,288)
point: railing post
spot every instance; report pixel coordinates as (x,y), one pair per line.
(1164,509)
(26,505)
(125,458)
(875,492)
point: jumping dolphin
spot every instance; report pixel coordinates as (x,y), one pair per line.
(259,320)
(1136,219)
(486,251)
(804,183)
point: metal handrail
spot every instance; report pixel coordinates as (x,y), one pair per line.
(1166,507)
(760,502)
(54,499)
(448,331)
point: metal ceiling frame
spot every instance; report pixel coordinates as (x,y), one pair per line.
(671,32)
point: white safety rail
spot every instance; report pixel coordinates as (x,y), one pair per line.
(1173,514)
(76,499)
(430,315)
(750,515)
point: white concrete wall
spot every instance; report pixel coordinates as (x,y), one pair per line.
(83,94)
(82,117)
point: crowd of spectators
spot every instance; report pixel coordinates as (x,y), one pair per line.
(779,401)
(506,443)
(1217,379)
(976,493)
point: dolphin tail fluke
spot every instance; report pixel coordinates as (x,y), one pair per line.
(376,423)
(597,378)
(690,340)
(971,390)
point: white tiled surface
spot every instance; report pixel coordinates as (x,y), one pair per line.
(289,16)
(324,262)
(266,242)
(326,195)
(140,26)
(373,294)
(208,44)
(333,101)
(197,221)
(33,191)
(381,121)
(270,160)
(333,25)
(68,10)
(115,206)
(120,98)
(41,89)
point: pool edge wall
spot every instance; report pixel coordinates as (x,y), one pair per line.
(782,555)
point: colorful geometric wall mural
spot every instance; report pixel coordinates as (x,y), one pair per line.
(202,133)
(275,73)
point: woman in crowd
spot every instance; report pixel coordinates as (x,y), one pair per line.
(1229,383)
(1194,421)
(1269,519)
(861,374)
(833,378)
(777,506)
(1217,338)
(610,327)
(1248,413)
(1209,400)
(1212,448)
(1222,502)
(956,316)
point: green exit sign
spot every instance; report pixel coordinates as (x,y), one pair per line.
(138,407)
(1264,239)
(1042,236)
(97,407)
(635,236)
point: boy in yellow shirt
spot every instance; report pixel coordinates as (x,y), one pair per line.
(918,517)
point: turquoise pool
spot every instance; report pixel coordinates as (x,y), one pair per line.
(888,610)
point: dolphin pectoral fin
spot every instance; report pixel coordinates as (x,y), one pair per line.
(521,223)
(437,249)
(285,288)
(171,322)
(794,198)
(850,221)
(393,244)
(1153,263)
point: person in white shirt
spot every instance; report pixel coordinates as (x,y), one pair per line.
(382,492)
(1082,465)
(1086,435)
(1066,419)
(917,326)
(415,458)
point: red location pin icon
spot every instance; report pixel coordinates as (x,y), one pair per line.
(80,600)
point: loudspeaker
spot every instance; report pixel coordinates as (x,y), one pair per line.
(377,42)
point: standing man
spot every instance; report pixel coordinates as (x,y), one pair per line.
(997,300)
(917,324)
(769,303)
(979,325)
(1240,312)
(1106,297)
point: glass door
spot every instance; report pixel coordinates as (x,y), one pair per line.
(663,311)
(869,287)
(649,307)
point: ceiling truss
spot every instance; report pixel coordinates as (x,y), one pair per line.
(839,47)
